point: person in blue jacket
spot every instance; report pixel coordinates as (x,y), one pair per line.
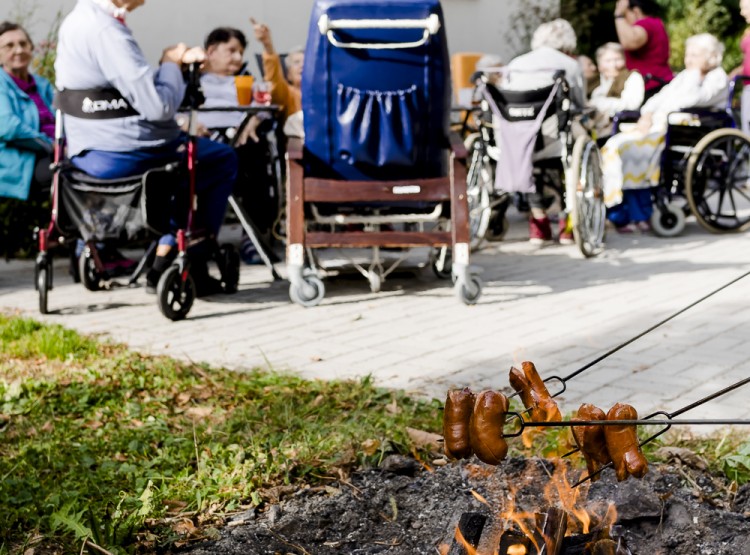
(27,123)
(97,54)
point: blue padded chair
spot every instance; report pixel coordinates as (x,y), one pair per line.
(376,100)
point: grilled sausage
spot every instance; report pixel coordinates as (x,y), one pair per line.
(534,394)
(622,444)
(486,428)
(456,419)
(590,439)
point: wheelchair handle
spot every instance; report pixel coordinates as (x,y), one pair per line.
(430,25)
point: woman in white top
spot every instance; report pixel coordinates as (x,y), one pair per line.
(632,159)
(619,88)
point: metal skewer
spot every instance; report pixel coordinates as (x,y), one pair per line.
(638,422)
(683,410)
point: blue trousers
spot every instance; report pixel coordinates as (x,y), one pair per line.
(215,177)
(636,206)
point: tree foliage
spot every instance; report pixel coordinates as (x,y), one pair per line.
(594,25)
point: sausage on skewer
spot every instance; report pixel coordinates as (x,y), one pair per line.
(486,428)
(622,444)
(456,418)
(590,439)
(534,394)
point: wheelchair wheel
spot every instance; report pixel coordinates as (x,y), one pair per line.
(90,276)
(717,181)
(668,222)
(478,186)
(43,285)
(174,296)
(308,294)
(229,267)
(586,195)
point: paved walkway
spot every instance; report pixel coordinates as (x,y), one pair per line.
(547,305)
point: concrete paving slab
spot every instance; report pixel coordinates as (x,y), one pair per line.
(548,305)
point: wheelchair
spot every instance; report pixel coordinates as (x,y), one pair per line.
(704,170)
(505,120)
(378,169)
(113,212)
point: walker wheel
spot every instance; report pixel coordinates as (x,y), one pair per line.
(229,264)
(175,296)
(90,276)
(43,287)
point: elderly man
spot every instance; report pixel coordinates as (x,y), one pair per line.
(98,56)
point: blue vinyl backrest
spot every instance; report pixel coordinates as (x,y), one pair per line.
(373,113)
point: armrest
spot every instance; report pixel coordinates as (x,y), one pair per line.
(457,146)
(294,147)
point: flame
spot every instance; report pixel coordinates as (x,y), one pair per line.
(470,550)
(517,549)
(524,521)
(558,488)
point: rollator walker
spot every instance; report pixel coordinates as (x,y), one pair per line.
(378,168)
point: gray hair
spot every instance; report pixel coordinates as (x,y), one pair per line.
(489,61)
(615,47)
(710,45)
(557,34)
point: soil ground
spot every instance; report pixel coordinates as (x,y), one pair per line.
(402,508)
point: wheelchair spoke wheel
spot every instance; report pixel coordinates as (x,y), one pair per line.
(717,183)
(175,296)
(43,285)
(90,276)
(587,194)
(479,183)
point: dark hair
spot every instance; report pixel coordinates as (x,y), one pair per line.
(225,34)
(7,26)
(648,7)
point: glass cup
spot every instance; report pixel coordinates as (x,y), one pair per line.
(244,85)
(262,93)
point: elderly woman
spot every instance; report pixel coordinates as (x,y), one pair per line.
(631,160)
(619,89)
(285,91)
(552,47)
(27,125)
(98,56)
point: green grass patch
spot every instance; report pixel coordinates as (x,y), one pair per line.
(117,447)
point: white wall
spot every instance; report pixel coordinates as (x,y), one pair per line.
(473,25)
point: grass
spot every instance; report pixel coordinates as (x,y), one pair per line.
(131,452)
(136,454)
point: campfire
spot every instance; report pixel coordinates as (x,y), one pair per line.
(564,524)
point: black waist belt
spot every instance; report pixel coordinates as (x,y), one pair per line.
(94,104)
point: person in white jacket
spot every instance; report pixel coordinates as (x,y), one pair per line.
(632,159)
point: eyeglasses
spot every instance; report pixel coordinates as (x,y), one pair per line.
(11,46)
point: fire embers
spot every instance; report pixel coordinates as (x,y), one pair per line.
(474,424)
(534,393)
(601,445)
